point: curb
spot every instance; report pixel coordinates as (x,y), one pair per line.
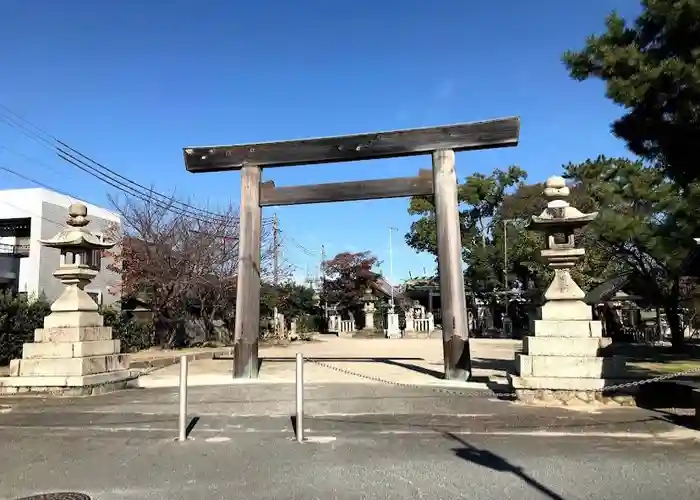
(162,362)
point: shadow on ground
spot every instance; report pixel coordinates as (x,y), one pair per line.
(490,460)
(531,422)
(499,390)
(669,395)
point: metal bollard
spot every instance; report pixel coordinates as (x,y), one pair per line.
(182,418)
(300,398)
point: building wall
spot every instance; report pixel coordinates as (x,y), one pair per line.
(9,271)
(49,211)
(18,204)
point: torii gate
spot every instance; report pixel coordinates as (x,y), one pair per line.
(441,142)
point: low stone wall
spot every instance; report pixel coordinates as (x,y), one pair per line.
(174,358)
(575,398)
(69,392)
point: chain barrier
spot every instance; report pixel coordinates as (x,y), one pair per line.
(489,393)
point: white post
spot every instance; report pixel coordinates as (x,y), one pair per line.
(300,398)
(182,420)
(505,257)
(391,269)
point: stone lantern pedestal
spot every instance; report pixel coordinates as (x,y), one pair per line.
(564,360)
(74,354)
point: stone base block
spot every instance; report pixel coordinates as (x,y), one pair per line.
(564,328)
(570,391)
(346,335)
(70,367)
(417,335)
(558,310)
(589,367)
(70,349)
(87,385)
(80,319)
(393,335)
(73,334)
(565,346)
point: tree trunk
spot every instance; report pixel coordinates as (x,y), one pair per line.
(674,323)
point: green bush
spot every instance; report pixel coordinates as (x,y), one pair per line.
(133,335)
(308,323)
(19,317)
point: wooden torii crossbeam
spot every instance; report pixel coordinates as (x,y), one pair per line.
(440,142)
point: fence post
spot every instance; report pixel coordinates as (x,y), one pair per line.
(300,398)
(182,417)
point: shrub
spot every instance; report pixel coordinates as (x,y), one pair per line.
(133,336)
(308,323)
(19,317)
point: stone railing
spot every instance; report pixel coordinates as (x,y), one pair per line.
(337,325)
(422,325)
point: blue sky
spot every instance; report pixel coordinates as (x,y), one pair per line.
(131,83)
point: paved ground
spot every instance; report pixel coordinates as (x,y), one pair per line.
(411,361)
(368,441)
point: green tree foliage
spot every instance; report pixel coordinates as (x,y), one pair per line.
(19,317)
(132,335)
(480,198)
(347,276)
(642,230)
(291,299)
(651,69)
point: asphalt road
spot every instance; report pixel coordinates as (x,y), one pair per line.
(366,442)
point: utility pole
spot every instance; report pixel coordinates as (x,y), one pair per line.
(275,265)
(276,250)
(391,267)
(505,254)
(323,280)
(505,251)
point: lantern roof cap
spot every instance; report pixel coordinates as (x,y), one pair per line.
(77,235)
(559,214)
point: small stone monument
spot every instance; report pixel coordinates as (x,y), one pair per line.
(563,360)
(368,309)
(74,354)
(392,323)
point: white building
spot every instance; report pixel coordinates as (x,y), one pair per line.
(30,215)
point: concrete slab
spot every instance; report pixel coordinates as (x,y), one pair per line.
(366,441)
(408,361)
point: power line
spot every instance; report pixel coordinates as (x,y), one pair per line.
(41,184)
(83,162)
(53,140)
(19,209)
(301,247)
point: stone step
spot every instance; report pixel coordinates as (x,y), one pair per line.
(73,334)
(557,310)
(565,346)
(68,367)
(569,366)
(567,328)
(35,350)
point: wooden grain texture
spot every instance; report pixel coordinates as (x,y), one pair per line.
(453,302)
(503,132)
(247,329)
(398,187)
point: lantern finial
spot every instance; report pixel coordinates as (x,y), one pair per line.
(77,215)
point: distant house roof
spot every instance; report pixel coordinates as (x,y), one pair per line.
(605,291)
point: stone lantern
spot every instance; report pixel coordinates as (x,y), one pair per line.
(368,301)
(80,262)
(563,358)
(74,353)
